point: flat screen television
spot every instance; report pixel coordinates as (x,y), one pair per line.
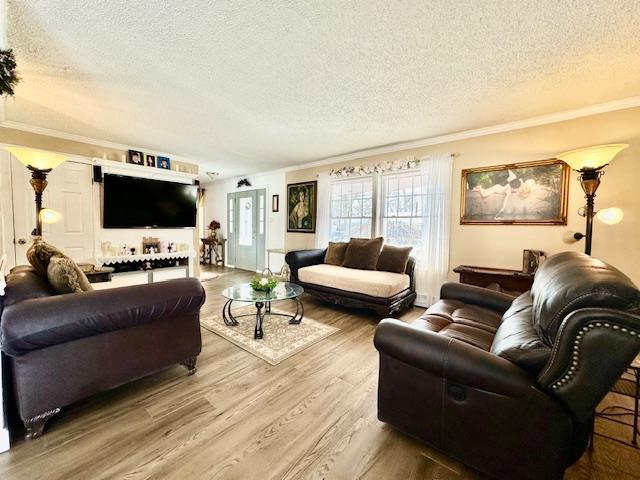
(131,202)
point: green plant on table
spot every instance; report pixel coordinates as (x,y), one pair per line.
(264,284)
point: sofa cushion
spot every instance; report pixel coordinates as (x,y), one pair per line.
(363,253)
(65,276)
(335,253)
(366,282)
(393,259)
(516,338)
(24,283)
(39,254)
(465,322)
(570,281)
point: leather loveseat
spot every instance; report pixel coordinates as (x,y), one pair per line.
(509,387)
(63,348)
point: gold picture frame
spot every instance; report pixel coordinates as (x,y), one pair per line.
(528,193)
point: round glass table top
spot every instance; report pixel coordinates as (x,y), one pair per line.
(244,293)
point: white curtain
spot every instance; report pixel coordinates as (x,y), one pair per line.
(323,205)
(433,266)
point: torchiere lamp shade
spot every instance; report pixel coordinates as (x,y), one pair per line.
(38,159)
(591,158)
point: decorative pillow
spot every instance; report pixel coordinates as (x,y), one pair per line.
(393,259)
(65,276)
(39,254)
(363,253)
(335,253)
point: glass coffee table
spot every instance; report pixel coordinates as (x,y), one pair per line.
(262,301)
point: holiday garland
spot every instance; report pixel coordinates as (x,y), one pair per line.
(8,74)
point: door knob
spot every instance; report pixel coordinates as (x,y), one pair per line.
(22,241)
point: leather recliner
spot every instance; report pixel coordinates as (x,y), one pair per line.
(509,387)
(63,348)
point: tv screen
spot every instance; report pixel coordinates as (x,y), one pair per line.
(131,202)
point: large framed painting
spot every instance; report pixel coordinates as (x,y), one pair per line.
(534,193)
(301,207)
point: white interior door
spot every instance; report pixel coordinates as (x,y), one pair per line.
(70,193)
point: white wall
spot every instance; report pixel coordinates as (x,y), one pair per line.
(275,184)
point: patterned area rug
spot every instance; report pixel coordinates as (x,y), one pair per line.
(206,276)
(281,339)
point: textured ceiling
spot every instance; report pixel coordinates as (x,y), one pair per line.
(250,85)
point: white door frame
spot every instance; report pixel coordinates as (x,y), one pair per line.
(6,214)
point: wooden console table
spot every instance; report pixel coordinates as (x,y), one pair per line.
(213,251)
(508,281)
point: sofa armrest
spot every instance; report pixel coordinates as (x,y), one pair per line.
(298,259)
(43,322)
(456,361)
(411,271)
(483,297)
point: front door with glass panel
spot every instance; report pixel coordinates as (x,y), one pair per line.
(246,232)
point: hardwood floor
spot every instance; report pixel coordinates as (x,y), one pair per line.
(311,417)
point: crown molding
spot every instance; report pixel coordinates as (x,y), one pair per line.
(615,105)
(49,132)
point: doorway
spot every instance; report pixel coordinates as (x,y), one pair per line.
(69,192)
(246,229)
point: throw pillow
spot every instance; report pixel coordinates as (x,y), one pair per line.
(335,253)
(39,254)
(65,276)
(363,253)
(394,259)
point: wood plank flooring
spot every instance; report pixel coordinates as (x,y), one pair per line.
(311,417)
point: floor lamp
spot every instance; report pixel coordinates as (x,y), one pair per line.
(40,163)
(589,162)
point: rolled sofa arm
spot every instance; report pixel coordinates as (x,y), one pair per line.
(451,359)
(42,322)
(298,259)
(483,297)
(591,351)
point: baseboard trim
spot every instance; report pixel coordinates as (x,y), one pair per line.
(4,440)
(421,301)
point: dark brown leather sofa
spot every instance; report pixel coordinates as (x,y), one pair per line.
(383,306)
(509,387)
(62,348)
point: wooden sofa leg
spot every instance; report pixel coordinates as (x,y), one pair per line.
(35,425)
(190,364)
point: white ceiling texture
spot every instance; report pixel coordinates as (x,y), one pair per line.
(253,85)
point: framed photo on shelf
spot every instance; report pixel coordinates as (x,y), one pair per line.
(532,193)
(150,160)
(275,203)
(301,207)
(164,162)
(135,157)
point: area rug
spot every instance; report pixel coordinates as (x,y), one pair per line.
(206,276)
(281,339)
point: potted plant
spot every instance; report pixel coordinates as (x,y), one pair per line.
(214,228)
(264,283)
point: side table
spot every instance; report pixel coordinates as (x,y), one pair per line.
(510,281)
(628,386)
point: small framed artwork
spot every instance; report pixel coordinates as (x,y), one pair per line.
(533,193)
(164,162)
(275,203)
(136,157)
(150,160)
(301,207)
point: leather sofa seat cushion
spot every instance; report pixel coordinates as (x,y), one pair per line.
(335,253)
(39,254)
(570,281)
(366,282)
(393,259)
(65,276)
(464,322)
(363,253)
(517,340)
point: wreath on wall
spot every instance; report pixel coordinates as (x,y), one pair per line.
(8,75)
